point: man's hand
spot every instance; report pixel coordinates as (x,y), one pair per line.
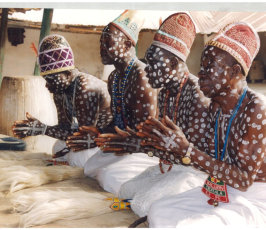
(29,127)
(84,139)
(122,142)
(61,153)
(164,135)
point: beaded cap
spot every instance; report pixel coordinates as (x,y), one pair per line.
(130,22)
(55,55)
(240,40)
(176,34)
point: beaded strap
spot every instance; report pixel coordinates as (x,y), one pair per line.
(118,98)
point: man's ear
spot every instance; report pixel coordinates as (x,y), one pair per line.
(236,70)
(173,62)
(128,44)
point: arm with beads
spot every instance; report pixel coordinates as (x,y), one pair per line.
(239,174)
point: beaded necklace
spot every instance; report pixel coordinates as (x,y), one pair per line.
(71,107)
(214,188)
(216,138)
(118,93)
(174,115)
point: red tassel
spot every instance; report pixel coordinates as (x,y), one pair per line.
(33,47)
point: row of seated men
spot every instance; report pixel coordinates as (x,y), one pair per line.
(180,149)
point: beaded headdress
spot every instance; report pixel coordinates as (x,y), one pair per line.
(176,34)
(130,22)
(55,55)
(240,40)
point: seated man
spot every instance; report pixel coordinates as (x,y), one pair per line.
(235,141)
(132,99)
(80,99)
(181,99)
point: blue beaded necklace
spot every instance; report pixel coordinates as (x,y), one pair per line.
(118,94)
(216,139)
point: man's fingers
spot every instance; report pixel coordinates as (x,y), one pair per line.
(112,149)
(130,131)
(30,117)
(157,124)
(89,129)
(110,139)
(76,137)
(109,135)
(21,123)
(169,123)
(148,135)
(121,132)
(153,144)
(78,146)
(100,140)
(20,134)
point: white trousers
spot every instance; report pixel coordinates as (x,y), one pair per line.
(112,171)
(190,209)
(152,185)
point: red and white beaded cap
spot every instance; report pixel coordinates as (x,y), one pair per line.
(55,55)
(176,34)
(130,22)
(240,40)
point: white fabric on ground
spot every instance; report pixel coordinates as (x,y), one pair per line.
(75,159)
(190,209)
(152,185)
(112,171)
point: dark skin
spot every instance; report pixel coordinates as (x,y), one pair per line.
(221,78)
(164,70)
(140,99)
(91,105)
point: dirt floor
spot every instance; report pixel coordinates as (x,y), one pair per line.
(114,219)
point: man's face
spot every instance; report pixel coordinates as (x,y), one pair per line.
(160,69)
(57,83)
(112,45)
(213,75)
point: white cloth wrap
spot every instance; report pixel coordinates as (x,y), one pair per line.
(112,171)
(190,209)
(75,159)
(152,185)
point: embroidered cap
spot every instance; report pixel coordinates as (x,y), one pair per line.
(130,22)
(55,55)
(176,34)
(240,40)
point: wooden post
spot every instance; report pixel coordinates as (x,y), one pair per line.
(4,19)
(45,30)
